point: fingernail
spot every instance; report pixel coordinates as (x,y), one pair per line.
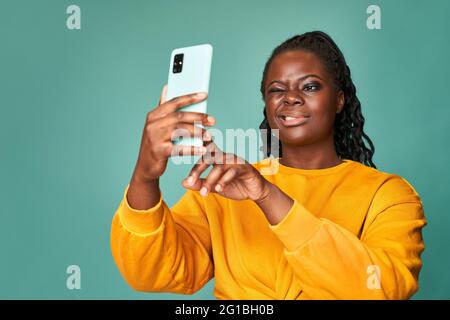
(201,95)
(211,119)
(189,180)
(203,191)
(218,187)
(207,135)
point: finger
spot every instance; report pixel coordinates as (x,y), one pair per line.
(174,118)
(162,99)
(180,150)
(189,131)
(194,175)
(164,133)
(226,178)
(214,175)
(213,154)
(189,183)
(182,101)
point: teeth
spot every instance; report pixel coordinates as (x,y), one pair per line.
(290,118)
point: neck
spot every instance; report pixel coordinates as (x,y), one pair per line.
(319,155)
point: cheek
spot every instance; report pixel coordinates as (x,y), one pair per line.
(271,105)
(323,110)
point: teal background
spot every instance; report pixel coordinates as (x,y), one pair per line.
(73,105)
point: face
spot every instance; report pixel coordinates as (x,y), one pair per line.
(301,99)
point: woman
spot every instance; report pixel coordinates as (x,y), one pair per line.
(324,225)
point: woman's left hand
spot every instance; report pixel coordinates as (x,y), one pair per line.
(231,176)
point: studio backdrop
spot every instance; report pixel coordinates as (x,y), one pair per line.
(77,79)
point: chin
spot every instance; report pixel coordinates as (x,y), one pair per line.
(297,139)
(299,135)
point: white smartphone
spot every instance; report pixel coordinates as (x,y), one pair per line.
(189,72)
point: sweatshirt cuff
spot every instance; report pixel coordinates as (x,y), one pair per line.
(297,227)
(141,221)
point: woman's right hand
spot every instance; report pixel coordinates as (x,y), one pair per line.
(163,124)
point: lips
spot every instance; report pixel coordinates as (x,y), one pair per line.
(292,119)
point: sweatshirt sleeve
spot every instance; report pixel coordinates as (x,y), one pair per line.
(162,249)
(330,262)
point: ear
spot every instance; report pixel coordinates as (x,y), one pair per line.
(341,101)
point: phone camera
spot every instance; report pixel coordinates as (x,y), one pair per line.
(178,63)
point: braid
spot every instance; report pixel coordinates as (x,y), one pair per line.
(349,136)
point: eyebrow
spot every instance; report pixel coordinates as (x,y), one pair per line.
(301,78)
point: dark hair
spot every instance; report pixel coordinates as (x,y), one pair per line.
(348,130)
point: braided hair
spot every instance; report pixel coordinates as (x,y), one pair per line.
(349,137)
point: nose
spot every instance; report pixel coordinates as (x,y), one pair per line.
(292,98)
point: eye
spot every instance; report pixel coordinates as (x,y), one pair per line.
(275,90)
(313,86)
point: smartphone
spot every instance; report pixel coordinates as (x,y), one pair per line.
(189,72)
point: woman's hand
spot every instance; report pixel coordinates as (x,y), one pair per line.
(231,176)
(236,179)
(163,125)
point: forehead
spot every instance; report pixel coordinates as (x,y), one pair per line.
(294,64)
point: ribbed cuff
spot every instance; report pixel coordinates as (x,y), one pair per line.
(141,221)
(297,227)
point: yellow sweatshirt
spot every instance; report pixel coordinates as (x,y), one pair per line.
(353,232)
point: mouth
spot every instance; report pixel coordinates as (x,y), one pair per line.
(292,120)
